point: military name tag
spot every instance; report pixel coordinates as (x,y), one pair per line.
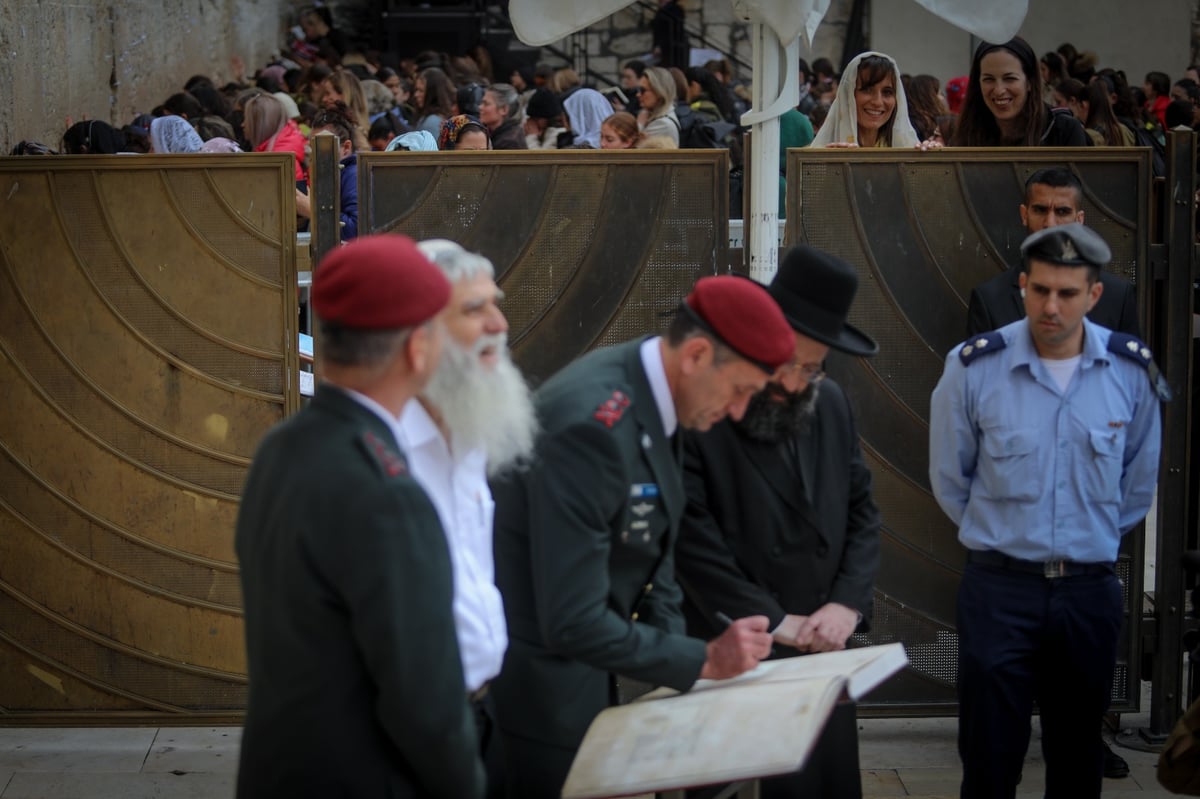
(638,490)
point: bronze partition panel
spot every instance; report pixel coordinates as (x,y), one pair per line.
(147,341)
(923,229)
(591,247)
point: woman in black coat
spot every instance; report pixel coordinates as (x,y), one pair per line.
(1004,105)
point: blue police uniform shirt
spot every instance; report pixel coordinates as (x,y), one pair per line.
(1034,472)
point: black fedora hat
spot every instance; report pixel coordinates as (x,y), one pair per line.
(815,290)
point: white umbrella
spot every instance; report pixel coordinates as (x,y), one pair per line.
(776,82)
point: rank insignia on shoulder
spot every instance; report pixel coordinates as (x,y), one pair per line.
(1135,349)
(612,409)
(388,459)
(981,345)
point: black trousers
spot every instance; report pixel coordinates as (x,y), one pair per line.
(534,770)
(489,747)
(1024,638)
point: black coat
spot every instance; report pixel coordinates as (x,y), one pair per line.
(757,540)
(997,302)
(583,554)
(356,685)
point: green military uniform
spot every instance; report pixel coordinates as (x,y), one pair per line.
(356,685)
(584,542)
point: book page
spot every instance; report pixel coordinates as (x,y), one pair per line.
(863,667)
(752,729)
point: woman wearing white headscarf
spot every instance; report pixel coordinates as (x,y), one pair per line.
(174,135)
(870,109)
(586,110)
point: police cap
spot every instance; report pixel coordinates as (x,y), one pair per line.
(1067,245)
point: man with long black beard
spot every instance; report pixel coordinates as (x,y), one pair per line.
(475,418)
(780,520)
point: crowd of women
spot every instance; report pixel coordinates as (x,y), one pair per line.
(1010,98)
(434,101)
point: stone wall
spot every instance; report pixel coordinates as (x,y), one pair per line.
(627,34)
(111,60)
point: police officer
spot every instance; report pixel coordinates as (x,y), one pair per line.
(356,685)
(585,536)
(1044,447)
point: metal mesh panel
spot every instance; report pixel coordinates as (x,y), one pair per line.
(146,345)
(82,214)
(589,246)
(922,232)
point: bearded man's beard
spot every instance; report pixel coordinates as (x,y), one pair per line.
(486,407)
(775,414)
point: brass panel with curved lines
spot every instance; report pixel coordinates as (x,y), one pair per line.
(923,229)
(590,247)
(148,319)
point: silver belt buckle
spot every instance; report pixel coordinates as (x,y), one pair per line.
(1052,569)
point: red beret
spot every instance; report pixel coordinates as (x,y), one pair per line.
(380,282)
(743,315)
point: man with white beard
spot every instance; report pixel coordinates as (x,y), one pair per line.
(474,418)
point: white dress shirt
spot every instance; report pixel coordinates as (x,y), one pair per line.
(656,374)
(457,484)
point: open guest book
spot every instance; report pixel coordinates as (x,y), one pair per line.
(762,723)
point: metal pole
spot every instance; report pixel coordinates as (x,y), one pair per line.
(1173,480)
(776,89)
(324,195)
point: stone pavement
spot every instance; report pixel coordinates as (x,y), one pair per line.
(900,757)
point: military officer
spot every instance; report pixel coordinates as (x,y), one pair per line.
(584,537)
(1044,447)
(356,685)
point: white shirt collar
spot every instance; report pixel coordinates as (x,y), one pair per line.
(374,407)
(656,373)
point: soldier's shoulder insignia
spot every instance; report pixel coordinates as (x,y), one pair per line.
(975,348)
(389,461)
(612,409)
(1135,349)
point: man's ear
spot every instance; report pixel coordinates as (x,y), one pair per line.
(695,354)
(1094,294)
(417,348)
(1024,216)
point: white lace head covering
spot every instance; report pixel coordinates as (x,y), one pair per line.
(841,125)
(174,135)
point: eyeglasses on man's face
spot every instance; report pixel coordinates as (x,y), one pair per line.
(809,372)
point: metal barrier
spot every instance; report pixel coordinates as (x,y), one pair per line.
(591,247)
(147,341)
(923,229)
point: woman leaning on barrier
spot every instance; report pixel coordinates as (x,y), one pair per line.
(1004,105)
(870,109)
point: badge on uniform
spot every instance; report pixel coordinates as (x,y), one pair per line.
(642,509)
(638,490)
(391,463)
(612,409)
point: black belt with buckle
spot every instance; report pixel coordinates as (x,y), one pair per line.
(1050,569)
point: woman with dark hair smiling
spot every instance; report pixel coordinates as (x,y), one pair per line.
(870,109)
(1004,105)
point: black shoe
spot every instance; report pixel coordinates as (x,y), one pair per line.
(1115,766)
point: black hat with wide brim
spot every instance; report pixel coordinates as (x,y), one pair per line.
(815,290)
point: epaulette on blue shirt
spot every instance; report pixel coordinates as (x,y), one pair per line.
(1135,349)
(981,345)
